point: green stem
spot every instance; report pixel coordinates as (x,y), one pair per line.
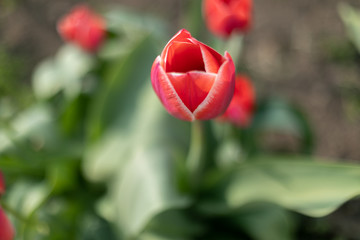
(195,159)
(234,46)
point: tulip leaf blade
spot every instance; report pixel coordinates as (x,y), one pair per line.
(310,187)
(266,221)
(132,146)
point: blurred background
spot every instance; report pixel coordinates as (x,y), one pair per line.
(296,50)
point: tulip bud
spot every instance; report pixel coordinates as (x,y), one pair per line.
(241,108)
(6,229)
(83,27)
(192,80)
(225,16)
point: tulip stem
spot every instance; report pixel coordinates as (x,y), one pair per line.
(234,46)
(195,156)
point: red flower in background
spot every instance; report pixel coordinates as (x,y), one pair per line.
(225,16)
(241,108)
(83,27)
(192,80)
(7,231)
(2,184)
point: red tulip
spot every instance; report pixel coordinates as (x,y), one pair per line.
(241,108)
(225,16)
(192,80)
(2,185)
(83,27)
(6,229)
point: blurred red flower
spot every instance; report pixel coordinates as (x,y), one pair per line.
(225,16)
(83,27)
(7,231)
(241,108)
(192,80)
(2,184)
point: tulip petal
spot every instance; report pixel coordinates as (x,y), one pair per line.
(167,94)
(212,59)
(183,57)
(192,87)
(181,36)
(220,94)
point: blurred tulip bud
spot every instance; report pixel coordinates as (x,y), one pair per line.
(241,108)
(192,80)
(6,229)
(83,27)
(225,16)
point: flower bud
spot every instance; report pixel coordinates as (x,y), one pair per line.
(241,108)
(226,16)
(83,27)
(192,80)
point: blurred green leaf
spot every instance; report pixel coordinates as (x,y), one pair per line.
(123,78)
(62,73)
(133,145)
(266,221)
(131,24)
(309,187)
(143,162)
(172,224)
(26,197)
(56,172)
(35,124)
(351,18)
(95,228)
(278,116)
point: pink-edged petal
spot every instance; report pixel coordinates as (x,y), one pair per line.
(220,94)
(167,94)
(2,184)
(212,59)
(183,57)
(7,231)
(192,87)
(181,36)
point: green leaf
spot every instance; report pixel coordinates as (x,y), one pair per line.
(126,22)
(123,79)
(278,116)
(312,188)
(133,145)
(35,123)
(351,18)
(266,221)
(62,73)
(26,197)
(140,167)
(172,224)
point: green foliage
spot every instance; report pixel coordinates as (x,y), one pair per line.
(351,19)
(312,188)
(97,157)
